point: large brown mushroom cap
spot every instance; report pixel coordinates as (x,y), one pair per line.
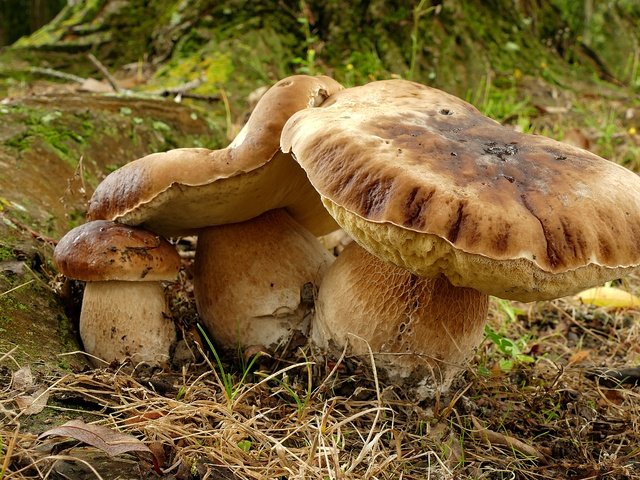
(424,180)
(180,191)
(103,250)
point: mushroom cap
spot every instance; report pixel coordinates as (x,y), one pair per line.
(103,250)
(182,190)
(422,179)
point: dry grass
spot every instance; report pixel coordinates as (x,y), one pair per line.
(293,418)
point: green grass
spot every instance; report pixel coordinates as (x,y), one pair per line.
(227,379)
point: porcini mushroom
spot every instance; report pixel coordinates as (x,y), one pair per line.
(195,190)
(423,180)
(422,330)
(259,285)
(124,311)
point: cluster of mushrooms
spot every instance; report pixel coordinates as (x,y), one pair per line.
(445,207)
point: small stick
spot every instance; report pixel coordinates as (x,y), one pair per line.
(180,89)
(57,74)
(7,457)
(31,231)
(104,71)
(13,290)
(197,96)
(489,436)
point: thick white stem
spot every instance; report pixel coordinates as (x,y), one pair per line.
(122,319)
(250,278)
(421,330)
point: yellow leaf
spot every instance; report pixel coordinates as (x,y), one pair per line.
(579,357)
(608,297)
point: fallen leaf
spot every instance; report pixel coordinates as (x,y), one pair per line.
(103,438)
(143,417)
(22,379)
(579,357)
(34,403)
(608,297)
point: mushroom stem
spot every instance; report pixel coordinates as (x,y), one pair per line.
(421,330)
(250,279)
(126,319)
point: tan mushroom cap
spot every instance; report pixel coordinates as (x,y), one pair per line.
(102,250)
(422,179)
(180,191)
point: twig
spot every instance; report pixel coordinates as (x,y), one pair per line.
(8,355)
(16,288)
(31,231)
(197,96)
(104,71)
(180,89)
(491,437)
(39,280)
(57,74)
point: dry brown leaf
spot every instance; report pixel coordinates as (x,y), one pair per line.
(579,357)
(143,417)
(103,438)
(22,379)
(34,403)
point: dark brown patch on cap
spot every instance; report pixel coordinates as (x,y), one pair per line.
(103,250)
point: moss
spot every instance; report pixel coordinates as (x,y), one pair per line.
(212,67)
(6,253)
(30,318)
(62,135)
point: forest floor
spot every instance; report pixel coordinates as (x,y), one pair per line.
(552,393)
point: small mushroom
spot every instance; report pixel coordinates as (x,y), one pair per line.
(124,310)
(196,190)
(424,181)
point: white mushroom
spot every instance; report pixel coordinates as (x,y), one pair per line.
(124,311)
(195,190)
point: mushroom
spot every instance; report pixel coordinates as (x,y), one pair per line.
(424,181)
(124,311)
(259,285)
(196,190)
(421,329)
